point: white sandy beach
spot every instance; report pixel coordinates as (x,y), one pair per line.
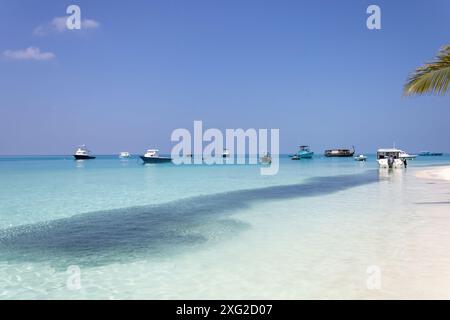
(439,173)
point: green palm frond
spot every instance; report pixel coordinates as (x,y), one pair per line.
(433,77)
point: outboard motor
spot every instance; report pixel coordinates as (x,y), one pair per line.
(390,162)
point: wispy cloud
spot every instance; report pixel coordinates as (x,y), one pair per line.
(89,24)
(30,53)
(58,25)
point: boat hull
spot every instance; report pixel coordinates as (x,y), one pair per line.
(339,155)
(155,159)
(302,155)
(305,155)
(82,157)
(431,154)
(266,160)
(408,157)
(396,164)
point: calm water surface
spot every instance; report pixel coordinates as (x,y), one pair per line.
(223,231)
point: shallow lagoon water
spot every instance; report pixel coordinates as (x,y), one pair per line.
(165,231)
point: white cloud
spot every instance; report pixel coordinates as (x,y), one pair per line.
(58,24)
(39,31)
(30,53)
(89,24)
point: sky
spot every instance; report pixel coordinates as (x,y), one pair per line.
(137,70)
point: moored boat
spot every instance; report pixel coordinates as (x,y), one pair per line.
(124,155)
(430,154)
(82,153)
(390,158)
(303,153)
(404,155)
(339,152)
(225,153)
(266,159)
(360,157)
(152,156)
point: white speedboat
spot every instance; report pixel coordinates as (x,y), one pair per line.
(82,153)
(390,158)
(152,156)
(404,155)
(360,157)
(124,155)
(225,153)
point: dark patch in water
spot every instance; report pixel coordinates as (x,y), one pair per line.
(107,236)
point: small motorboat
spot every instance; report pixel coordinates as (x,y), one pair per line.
(303,153)
(339,153)
(152,156)
(82,153)
(430,154)
(360,157)
(124,155)
(225,153)
(266,159)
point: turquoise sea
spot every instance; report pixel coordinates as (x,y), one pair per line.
(218,231)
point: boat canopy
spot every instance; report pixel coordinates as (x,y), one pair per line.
(388,152)
(82,149)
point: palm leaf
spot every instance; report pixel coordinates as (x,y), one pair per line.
(432,78)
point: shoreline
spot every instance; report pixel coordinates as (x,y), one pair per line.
(438,173)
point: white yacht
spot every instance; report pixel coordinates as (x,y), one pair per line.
(390,158)
(124,155)
(152,156)
(82,153)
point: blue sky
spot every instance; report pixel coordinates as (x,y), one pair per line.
(141,69)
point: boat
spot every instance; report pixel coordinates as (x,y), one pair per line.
(404,155)
(430,154)
(303,153)
(152,156)
(266,159)
(82,153)
(340,152)
(225,153)
(124,155)
(390,158)
(360,157)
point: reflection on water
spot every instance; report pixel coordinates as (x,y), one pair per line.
(391,174)
(79,163)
